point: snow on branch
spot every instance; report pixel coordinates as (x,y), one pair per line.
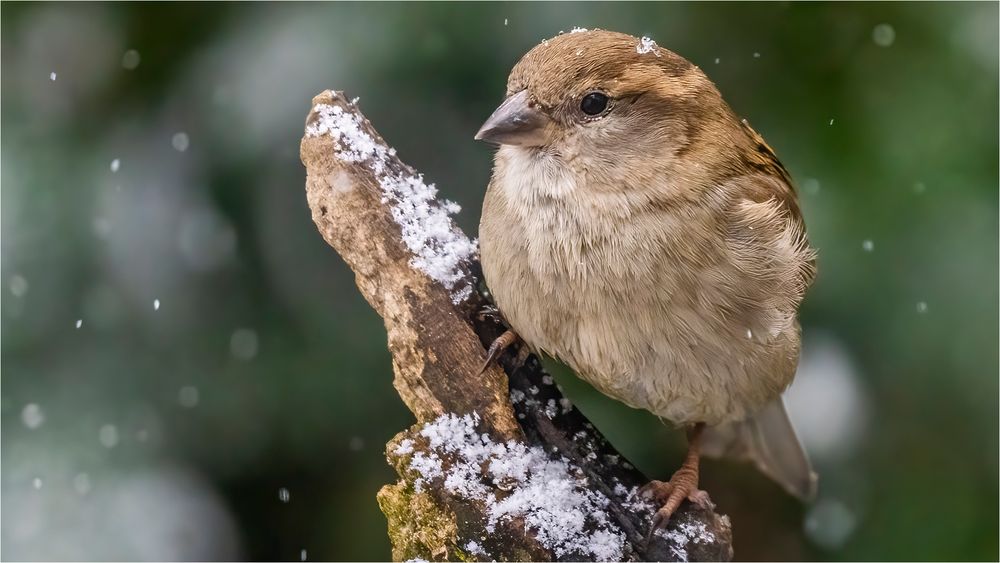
(500,466)
(439,248)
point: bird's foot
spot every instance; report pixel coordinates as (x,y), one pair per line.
(502,342)
(683,485)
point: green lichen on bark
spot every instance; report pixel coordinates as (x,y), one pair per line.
(434,525)
(418,527)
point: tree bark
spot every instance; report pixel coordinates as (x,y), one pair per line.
(500,466)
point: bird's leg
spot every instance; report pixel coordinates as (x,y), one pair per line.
(682,485)
(498,346)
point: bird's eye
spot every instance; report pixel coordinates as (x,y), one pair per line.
(594,103)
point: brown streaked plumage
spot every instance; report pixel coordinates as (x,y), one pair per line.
(640,232)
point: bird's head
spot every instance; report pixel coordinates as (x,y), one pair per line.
(600,100)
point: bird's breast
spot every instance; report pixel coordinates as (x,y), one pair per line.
(619,293)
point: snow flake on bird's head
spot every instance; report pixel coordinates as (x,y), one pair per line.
(647,45)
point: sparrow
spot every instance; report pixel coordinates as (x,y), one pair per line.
(637,230)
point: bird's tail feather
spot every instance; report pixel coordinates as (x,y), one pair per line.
(768,439)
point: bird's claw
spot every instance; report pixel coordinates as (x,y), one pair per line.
(670,494)
(497,347)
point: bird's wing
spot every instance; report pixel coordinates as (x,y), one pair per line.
(763,159)
(766,240)
(770,262)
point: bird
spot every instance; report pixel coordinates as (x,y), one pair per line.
(637,230)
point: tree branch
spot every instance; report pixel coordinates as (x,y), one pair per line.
(499,465)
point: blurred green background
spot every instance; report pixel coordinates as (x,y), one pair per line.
(189,372)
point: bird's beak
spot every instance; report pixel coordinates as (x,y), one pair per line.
(516,122)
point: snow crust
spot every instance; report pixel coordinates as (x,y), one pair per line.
(549,493)
(404,447)
(519,482)
(683,535)
(439,249)
(473,548)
